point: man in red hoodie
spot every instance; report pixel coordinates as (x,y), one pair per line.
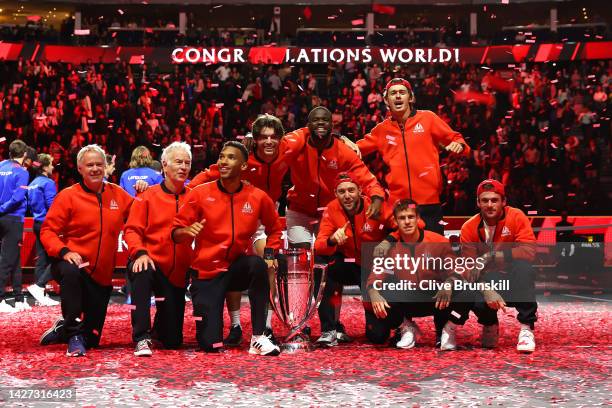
(222,216)
(408,142)
(313,173)
(504,237)
(398,293)
(80,233)
(344,228)
(157,265)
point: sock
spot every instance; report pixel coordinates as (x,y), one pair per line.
(235,316)
(269,319)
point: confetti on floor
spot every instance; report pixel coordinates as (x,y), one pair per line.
(571,366)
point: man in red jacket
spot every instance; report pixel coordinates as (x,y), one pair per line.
(504,237)
(408,142)
(157,265)
(267,167)
(424,289)
(313,173)
(80,233)
(344,228)
(222,216)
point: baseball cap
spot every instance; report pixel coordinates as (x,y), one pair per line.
(397,81)
(491,185)
(343,178)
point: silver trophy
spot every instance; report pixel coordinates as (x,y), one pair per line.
(294,300)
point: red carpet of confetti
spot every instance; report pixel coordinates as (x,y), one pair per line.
(571,366)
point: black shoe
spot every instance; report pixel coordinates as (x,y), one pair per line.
(270,334)
(234,338)
(55,334)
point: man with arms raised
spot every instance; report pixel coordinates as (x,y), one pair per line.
(157,265)
(408,142)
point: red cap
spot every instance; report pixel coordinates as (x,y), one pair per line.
(397,81)
(497,187)
(344,178)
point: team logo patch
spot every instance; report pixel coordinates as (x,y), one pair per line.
(114,205)
(367,227)
(505,232)
(247,209)
(333,164)
(418,128)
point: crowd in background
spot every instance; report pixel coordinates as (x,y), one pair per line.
(546,134)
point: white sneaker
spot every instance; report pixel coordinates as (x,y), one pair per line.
(328,338)
(47,301)
(490,336)
(263,346)
(526,340)
(6,308)
(448,341)
(38,293)
(409,331)
(143,348)
(22,306)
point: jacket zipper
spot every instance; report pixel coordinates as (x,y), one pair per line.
(407,165)
(99,197)
(318,182)
(352,221)
(176,197)
(268,181)
(229,247)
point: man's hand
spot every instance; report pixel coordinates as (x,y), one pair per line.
(142,264)
(339,237)
(73,258)
(373,210)
(494,299)
(352,145)
(382,249)
(443,296)
(454,147)
(190,232)
(141,186)
(272,264)
(248,141)
(379,304)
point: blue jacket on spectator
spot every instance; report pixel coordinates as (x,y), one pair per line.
(41,193)
(13,187)
(131,176)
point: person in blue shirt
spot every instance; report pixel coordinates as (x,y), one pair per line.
(13,187)
(140,169)
(41,193)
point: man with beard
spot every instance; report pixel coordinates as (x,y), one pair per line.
(156,265)
(267,168)
(80,233)
(313,173)
(222,216)
(504,237)
(344,228)
(408,142)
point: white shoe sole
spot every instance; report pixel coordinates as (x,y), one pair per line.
(274,352)
(143,353)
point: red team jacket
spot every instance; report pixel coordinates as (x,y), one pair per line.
(410,150)
(265,176)
(148,229)
(313,177)
(89,224)
(231,220)
(514,226)
(439,247)
(360,230)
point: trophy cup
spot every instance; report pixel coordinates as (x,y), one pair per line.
(294,301)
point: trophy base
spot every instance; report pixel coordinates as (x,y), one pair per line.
(297,347)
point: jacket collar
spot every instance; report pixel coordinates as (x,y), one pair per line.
(165,189)
(421,237)
(90,191)
(220,186)
(481,225)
